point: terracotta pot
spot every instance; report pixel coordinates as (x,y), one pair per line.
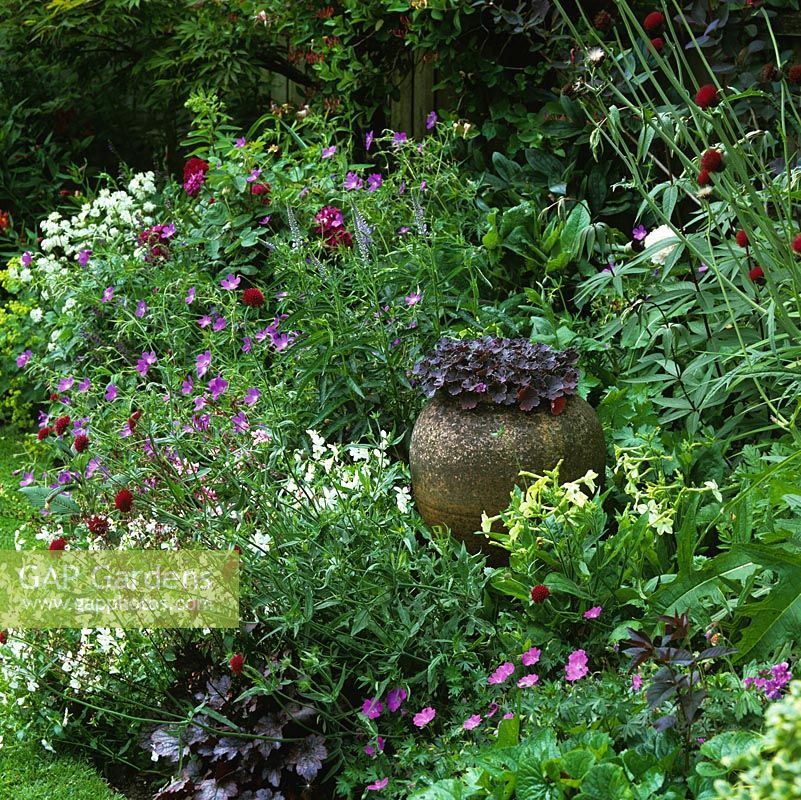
(465,462)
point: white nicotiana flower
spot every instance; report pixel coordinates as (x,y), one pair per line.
(657,236)
(36,315)
(402,498)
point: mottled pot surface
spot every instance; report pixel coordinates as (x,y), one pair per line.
(465,462)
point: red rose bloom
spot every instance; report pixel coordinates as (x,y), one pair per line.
(540,593)
(80,442)
(653,23)
(712,161)
(707,96)
(704,178)
(44,432)
(236,663)
(253,297)
(756,274)
(98,525)
(61,424)
(797,244)
(58,544)
(657,44)
(123,500)
(741,238)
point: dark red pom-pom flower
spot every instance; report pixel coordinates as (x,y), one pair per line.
(653,23)
(657,44)
(58,544)
(80,442)
(794,74)
(123,500)
(756,274)
(704,178)
(741,238)
(237,663)
(253,297)
(602,20)
(707,96)
(44,432)
(98,525)
(797,245)
(540,593)
(54,397)
(3,637)
(712,161)
(62,423)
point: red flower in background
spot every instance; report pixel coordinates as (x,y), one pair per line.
(253,297)
(797,244)
(123,500)
(707,96)
(237,663)
(5,220)
(98,525)
(3,637)
(80,442)
(58,544)
(653,23)
(195,171)
(540,593)
(712,161)
(602,20)
(658,44)
(704,178)
(44,432)
(741,238)
(794,74)
(756,274)
(61,424)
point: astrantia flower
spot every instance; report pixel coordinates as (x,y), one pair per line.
(253,297)
(741,237)
(576,667)
(230,281)
(372,708)
(472,722)
(707,96)
(237,663)
(422,718)
(395,698)
(712,160)
(756,274)
(23,358)
(58,544)
(527,681)
(502,673)
(540,593)
(531,656)
(593,613)
(377,785)
(123,500)
(653,23)
(80,442)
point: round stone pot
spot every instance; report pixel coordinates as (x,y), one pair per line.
(465,462)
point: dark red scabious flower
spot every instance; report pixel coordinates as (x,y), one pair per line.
(123,500)
(756,274)
(58,544)
(797,245)
(602,20)
(195,171)
(653,23)
(712,161)
(707,96)
(540,593)
(253,297)
(61,424)
(261,190)
(3,637)
(741,237)
(54,397)
(98,525)
(657,44)
(794,74)
(136,415)
(80,442)
(769,73)
(704,178)
(44,432)
(237,663)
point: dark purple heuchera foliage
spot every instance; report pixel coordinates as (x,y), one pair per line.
(216,764)
(501,371)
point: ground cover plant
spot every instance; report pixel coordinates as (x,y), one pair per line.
(233,357)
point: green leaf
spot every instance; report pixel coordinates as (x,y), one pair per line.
(608,781)
(533,782)
(508,732)
(577,222)
(57,503)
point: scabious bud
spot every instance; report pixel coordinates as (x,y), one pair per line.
(657,44)
(704,178)
(653,23)
(237,663)
(602,20)
(712,161)
(756,274)
(98,525)
(741,238)
(540,593)
(797,244)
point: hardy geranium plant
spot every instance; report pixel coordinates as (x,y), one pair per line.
(499,371)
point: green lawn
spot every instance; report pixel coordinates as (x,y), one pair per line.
(14,510)
(26,774)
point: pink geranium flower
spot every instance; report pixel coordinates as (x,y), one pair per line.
(502,674)
(378,785)
(527,681)
(372,708)
(422,718)
(593,613)
(531,656)
(576,667)
(472,722)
